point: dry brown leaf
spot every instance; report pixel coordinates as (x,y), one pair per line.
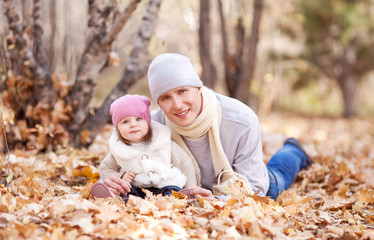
(365,196)
(23,129)
(60,112)
(85,136)
(114,58)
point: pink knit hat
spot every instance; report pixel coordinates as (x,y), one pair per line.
(130,106)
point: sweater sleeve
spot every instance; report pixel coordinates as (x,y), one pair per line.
(248,158)
(109,167)
(240,134)
(181,160)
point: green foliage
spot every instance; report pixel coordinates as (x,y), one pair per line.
(336,36)
(314,98)
(330,27)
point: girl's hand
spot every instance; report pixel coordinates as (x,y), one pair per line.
(128,176)
(117,185)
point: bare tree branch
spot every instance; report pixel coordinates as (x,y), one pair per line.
(119,23)
(230,81)
(208,70)
(92,62)
(136,67)
(250,55)
(239,37)
(98,12)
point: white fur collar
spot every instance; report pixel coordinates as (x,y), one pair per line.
(160,137)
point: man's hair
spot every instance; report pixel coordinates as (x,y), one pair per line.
(147,137)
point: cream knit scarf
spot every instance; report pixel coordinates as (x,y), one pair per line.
(209,121)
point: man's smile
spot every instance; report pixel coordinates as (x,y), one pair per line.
(183,114)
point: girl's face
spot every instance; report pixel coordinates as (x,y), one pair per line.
(133,129)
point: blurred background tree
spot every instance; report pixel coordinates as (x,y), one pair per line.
(63,62)
(337,40)
(49,109)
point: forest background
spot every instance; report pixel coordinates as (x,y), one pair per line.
(305,67)
(59,77)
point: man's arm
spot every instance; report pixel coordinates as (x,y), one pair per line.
(241,139)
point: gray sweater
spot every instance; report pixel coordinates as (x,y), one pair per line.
(241,141)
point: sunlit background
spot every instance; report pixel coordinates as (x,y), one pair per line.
(276,86)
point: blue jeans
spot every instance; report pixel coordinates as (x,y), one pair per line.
(283,168)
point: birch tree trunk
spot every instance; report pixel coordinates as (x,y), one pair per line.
(26,63)
(49,112)
(51,50)
(93,61)
(136,67)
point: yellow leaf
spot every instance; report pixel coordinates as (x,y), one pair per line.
(201,200)
(9,178)
(178,195)
(287,231)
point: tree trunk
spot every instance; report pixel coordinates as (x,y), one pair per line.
(4,62)
(136,68)
(347,81)
(24,61)
(348,88)
(29,90)
(229,78)
(208,70)
(232,62)
(92,63)
(237,61)
(37,33)
(242,91)
(52,46)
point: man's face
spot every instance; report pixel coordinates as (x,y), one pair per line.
(181,105)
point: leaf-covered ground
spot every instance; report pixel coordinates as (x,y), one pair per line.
(46,196)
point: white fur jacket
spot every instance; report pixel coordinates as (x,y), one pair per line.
(152,164)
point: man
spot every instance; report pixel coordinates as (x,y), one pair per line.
(219,133)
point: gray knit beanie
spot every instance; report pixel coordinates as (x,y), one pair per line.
(169,71)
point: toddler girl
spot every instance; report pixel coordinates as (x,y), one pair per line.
(142,154)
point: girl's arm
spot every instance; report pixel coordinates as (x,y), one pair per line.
(181,160)
(109,167)
(110,173)
(128,176)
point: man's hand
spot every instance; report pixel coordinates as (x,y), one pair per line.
(202,192)
(118,185)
